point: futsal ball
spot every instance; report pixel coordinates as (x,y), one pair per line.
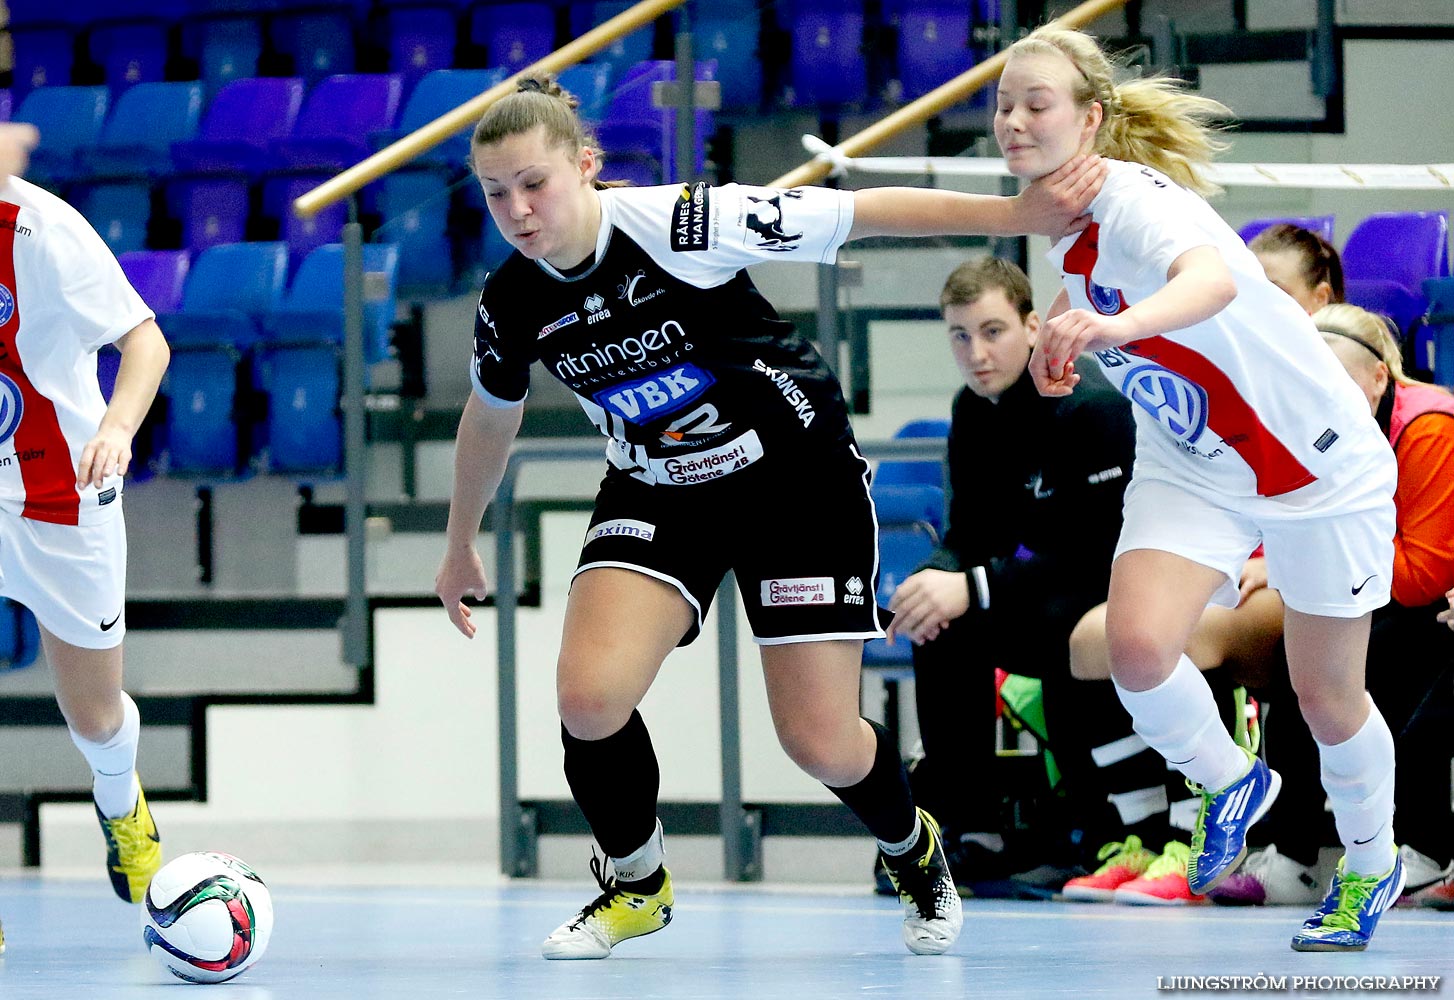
(207,917)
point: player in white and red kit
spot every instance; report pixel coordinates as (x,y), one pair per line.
(1248,432)
(63,453)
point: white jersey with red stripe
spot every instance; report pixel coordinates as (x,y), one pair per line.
(62,296)
(1248,402)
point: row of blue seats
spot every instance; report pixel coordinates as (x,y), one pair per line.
(255,375)
(818,53)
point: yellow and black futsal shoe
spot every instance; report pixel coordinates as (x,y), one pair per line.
(133,850)
(615,915)
(932,913)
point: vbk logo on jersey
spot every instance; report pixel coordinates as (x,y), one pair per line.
(12,404)
(646,399)
(1107,301)
(1178,404)
(7,305)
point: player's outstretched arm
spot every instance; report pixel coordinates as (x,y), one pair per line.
(481,450)
(1054,206)
(144,357)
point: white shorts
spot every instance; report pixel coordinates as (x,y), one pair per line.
(1330,556)
(73,577)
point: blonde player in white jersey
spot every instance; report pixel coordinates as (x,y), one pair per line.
(1247,433)
(63,453)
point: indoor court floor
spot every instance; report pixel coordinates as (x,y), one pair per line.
(480,937)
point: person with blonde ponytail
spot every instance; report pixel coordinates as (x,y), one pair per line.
(729,448)
(1248,433)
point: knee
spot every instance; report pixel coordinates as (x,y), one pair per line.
(1088,660)
(590,711)
(825,755)
(1138,658)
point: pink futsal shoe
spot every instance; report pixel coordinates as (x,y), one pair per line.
(1164,883)
(1125,861)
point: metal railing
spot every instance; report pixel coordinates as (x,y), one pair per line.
(740,827)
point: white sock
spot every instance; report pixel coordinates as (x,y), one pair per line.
(1358,776)
(904,846)
(644,860)
(113,763)
(1178,719)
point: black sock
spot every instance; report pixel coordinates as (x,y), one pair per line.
(615,782)
(882,800)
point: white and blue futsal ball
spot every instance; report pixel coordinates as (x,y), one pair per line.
(207,917)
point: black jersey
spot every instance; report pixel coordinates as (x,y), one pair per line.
(665,341)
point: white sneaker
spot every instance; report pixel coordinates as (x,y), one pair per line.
(933,916)
(1268,878)
(1421,871)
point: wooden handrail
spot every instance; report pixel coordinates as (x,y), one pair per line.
(426,137)
(936,100)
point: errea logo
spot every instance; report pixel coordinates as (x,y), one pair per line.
(596,309)
(854,586)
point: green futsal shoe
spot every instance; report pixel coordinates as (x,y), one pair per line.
(612,917)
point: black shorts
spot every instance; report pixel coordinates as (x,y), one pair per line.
(801,538)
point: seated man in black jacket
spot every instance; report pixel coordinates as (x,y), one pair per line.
(1034,513)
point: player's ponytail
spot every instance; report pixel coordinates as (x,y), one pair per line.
(539,102)
(1152,121)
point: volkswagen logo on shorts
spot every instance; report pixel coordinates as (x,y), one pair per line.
(7,305)
(12,407)
(1108,301)
(1177,404)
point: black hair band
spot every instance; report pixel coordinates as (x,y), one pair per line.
(1357,340)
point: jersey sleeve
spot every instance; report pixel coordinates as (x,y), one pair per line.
(98,300)
(499,372)
(705,234)
(1148,222)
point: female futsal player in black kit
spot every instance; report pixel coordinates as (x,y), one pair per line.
(729,447)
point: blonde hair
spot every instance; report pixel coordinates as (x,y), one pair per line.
(539,102)
(1342,320)
(1152,120)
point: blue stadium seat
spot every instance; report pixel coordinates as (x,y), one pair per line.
(5,105)
(732,37)
(244,117)
(304,426)
(1434,349)
(591,85)
(118,211)
(303,235)
(69,119)
(906,538)
(513,35)
(624,52)
(1320,224)
(159,276)
(415,206)
(213,210)
(1403,247)
(19,635)
(1387,298)
(137,138)
(229,290)
(635,126)
(933,47)
(202,431)
(828,70)
(436,94)
(421,38)
(226,48)
(311,311)
(44,57)
(914,472)
(130,52)
(338,117)
(320,42)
